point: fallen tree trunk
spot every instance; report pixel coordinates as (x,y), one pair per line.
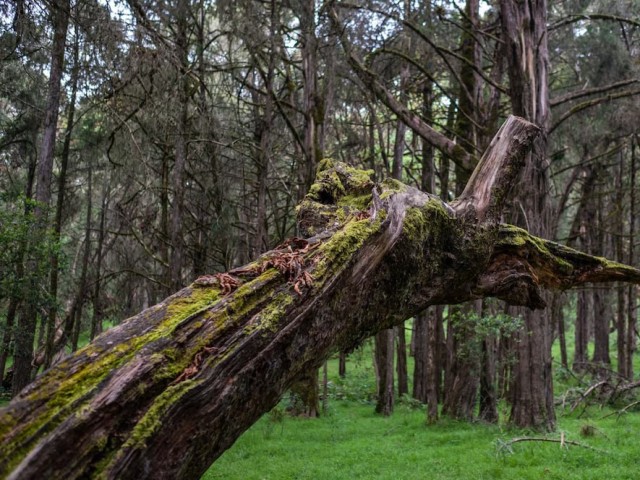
(166,392)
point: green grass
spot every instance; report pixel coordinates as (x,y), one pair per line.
(351,442)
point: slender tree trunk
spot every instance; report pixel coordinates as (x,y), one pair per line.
(435,351)
(384,366)
(62,181)
(176,262)
(25,332)
(311,96)
(401,365)
(580,356)
(601,327)
(630,342)
(421,338)
(487,396)
(558,315)
(621,316)
(342,365)
(96,320)
(83,287)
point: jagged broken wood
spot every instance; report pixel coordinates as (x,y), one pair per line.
(166,392)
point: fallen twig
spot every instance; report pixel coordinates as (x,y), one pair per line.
(620,412)
(502,445)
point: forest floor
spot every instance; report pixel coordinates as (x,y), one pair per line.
(351,442)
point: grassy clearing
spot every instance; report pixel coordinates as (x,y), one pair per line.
(352,442)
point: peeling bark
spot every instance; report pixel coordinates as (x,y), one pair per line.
(168,391)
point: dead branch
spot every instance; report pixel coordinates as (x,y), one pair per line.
(570,19)
(458,154)
(592,103)
(562,441)
(568,97)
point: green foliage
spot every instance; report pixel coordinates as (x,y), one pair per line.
(472,328)
(21,240)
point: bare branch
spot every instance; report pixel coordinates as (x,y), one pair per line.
(592,103)
(591,91)
(562,441)
(594,16)
(458,154)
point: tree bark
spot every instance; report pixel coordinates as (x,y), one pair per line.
(487,395)
(583,310)
(62,182)
(164,393)
(630,342)
(462,374)
(420,336)
(384,348)
(176,260)
(401,363)
(524,31)
(25,332)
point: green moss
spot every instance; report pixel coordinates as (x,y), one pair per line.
(415,223)
(337,251)
(67,389)
(360,202)
(335,180)
(324,164)
(511,235)
(391,186)
(152,419)
(199,299)
(249,295)
(271,314)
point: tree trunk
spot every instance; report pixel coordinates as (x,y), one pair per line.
(558,315)
(420,371)
(401,364)
(621,314)
(306,395)
(524,31)
(384,371)
(164,393)
(435,350)
(583,310)
(176,260)
(601,328)
(25,332)
(62,182)
(342,364)
(487,395)
(462,374)
(630,341)
(96,319)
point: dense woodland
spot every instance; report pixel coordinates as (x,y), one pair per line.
(144,144)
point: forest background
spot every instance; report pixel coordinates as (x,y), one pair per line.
(144,143)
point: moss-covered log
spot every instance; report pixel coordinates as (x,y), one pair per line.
(166,392)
